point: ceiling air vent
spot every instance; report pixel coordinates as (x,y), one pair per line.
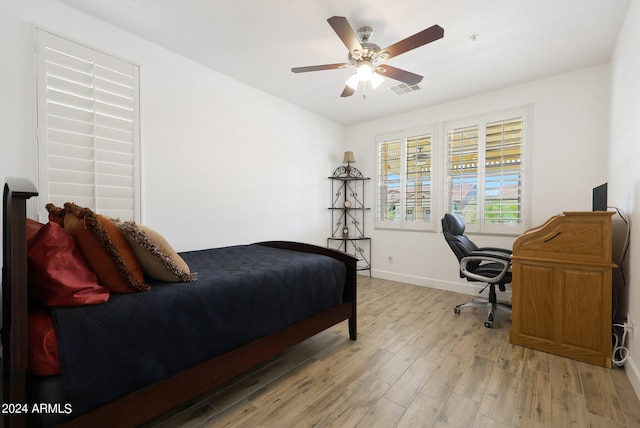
(403,88)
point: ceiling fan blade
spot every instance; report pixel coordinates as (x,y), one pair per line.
(348,91)
(419,39)
(399,74)
(342,28)
(319,67)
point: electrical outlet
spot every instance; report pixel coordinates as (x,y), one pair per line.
(389,259)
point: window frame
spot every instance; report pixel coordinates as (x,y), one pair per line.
(403,136)
(440,195)
(43,39)
(482,121)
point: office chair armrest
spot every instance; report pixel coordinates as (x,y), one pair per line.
(494,249)
(486,256)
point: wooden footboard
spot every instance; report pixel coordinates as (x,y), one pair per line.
(350,262)
(153,400)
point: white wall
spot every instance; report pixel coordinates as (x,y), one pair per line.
(223,163)
(624,174)
(568,158)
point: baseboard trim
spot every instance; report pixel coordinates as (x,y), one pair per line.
(632,372)
(472,289)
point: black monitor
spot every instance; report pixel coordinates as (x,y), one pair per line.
(599,198)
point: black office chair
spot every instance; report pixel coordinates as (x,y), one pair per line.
(489,265)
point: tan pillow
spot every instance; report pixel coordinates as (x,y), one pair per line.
(105,248)
(158,259)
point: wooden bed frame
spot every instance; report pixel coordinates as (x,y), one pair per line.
(153,400)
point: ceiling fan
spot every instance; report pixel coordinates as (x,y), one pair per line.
(367,57)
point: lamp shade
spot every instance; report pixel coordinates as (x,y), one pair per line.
(353,82)
(348,158)
(376,80)
(364,71)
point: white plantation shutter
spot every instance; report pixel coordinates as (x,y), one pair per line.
(503,175)
(418,169)
(462,168)
(88,128)
(389,188)
(404,180)
(485,174)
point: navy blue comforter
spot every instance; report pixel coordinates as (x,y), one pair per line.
(242,293)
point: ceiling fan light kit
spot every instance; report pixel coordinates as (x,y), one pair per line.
(376,80)
(367,57)
(353,81)
(365,71)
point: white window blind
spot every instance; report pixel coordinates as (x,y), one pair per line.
(485,173)
(503,175)
(88,128)
(463,172)
(404,178)
(389,206)
(418,179)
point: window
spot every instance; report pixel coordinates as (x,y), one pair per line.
(88,128)
(485,171)
(404,180)
(475,168)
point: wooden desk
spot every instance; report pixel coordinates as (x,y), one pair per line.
(561,288)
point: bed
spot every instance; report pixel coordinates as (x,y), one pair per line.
(138,355)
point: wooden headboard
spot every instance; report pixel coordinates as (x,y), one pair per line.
(14,293)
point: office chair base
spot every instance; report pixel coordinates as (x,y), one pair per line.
(484,303)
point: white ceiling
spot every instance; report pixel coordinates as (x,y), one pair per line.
(257,42)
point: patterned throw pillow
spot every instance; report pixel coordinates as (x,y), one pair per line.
(158,259)
(103,246)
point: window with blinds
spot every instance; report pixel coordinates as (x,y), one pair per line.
(404,177)
(503,175)
(485,172)
(463,172)
(88,128)
(418,179)
(389,206)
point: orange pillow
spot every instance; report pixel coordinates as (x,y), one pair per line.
(105,248)
(56,214)
(32,229)
(58,274)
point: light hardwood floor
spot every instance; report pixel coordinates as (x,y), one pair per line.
(416,364)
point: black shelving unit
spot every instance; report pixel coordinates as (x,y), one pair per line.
(348,211)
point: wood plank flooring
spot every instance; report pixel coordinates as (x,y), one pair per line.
(416,364)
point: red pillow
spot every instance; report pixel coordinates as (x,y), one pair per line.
(32,229)
(58,273)
(43,354)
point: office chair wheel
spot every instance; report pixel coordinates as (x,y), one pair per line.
(456,310)
(489,323)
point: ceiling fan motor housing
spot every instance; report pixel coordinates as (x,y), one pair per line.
(364,33)
(370,50)
(370,53)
